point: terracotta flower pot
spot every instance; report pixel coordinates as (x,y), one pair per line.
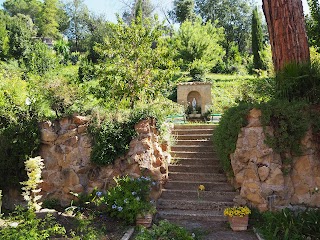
(144,220)
(239,223)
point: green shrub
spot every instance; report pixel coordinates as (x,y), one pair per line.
(226,134)
(299,82)
(129,198)
(111,139)
(290,122)
(30,227)
(287,224)
(165,231)
(19,132)
(112,136)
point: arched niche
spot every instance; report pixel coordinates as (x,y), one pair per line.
(201,91)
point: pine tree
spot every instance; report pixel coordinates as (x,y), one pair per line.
(183,10)
(49,23)
(257,40)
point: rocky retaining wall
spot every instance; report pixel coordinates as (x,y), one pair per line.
(66,148)
(260,175)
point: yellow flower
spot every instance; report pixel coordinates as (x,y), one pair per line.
(201,187)
(237,211)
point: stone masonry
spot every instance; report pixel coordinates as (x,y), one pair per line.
(259,172)
(66,148)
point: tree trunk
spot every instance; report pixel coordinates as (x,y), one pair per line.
(287,32)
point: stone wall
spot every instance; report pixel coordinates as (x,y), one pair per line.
(66,148)
(261,176)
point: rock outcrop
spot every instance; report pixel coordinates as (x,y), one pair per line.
(66,148)
(262,177)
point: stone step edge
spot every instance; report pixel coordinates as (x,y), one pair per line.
(199,182)
(185,191)
(196,201)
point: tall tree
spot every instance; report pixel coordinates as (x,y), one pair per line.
(183,10)
(198,42)
(133,66)
(233,15)
(287,32)
(257,40)
(313,24)
(31,8)
(49,26)
(146,7)
(20,33)
(78,14)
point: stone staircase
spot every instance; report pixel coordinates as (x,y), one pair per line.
(195,163)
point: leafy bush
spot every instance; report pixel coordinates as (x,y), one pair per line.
(290,122)
(40,59)
(165,231)
(226,134)
(129,198)
(111,140)
(30,227)
(19,133)
(112,136)
(299,82)
(287,224)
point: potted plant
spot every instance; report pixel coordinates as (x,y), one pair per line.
(238,217)
(145,217)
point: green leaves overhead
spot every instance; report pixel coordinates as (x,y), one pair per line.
(135,61)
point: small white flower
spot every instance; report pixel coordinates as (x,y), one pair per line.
(28,101)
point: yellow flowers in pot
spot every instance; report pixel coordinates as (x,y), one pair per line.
(237,211)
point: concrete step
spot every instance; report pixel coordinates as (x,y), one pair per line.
(201,142)
(196,161)
(198,195)
(210,186)
(191,148)
(195,168)
(199,215)
(182,154)
(195,126)
(194,194)
(203,177)
(178,132)
(166,204)
(193,137)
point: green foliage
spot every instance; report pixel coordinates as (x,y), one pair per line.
(78,15)
(199,43)
(313,24)
(233,15)
(34,168)
(299,82)
(19,133)
(112,136)
(20,33)
(63,51)
(31,228)
(287,224)
(290,122)
(135,62)
(111,140)
(228,90)
(49,19)
(226,134)
(183,10)
(40,59)
(166,231)
(129,198)
(257,40)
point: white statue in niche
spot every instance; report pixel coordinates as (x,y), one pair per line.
(194,104)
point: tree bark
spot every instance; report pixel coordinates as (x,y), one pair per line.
(287,32)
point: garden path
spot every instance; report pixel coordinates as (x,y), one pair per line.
(195,163)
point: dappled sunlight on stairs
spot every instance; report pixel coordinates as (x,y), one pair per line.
(195,163)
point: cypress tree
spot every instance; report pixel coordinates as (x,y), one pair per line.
(257,40)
